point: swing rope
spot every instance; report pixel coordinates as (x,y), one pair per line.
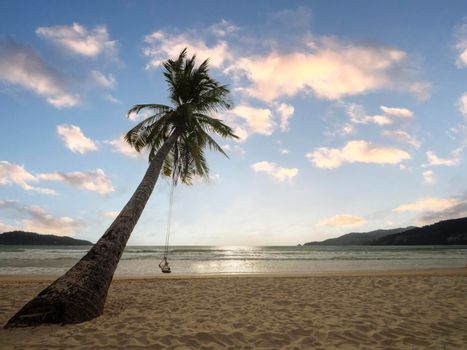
(169,216)
(169,219)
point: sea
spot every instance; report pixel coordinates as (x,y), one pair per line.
(208,260)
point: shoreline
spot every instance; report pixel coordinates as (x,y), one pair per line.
(459,271)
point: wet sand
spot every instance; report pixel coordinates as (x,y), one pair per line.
(387,310)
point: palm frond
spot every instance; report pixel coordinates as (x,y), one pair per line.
(196,98)
(215,125)
(156,108)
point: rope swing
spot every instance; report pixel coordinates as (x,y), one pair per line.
(164,264)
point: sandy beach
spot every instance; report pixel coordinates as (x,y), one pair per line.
(390,310)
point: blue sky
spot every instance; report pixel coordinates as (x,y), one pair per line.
(352,116)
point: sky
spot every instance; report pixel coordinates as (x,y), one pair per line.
(351,116)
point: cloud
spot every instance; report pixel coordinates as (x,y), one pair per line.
(119,145)
(331,70)
(37,219)
(428,177)
(256,120)
(6,227)
(461,45)
(358,114)
(8,203)
(359,151)
(79,40)
(234,148)
(75,140)
(403,136)
(16,174)
(96,181)
(247,120)
(105,81)
(455,211)
(279,173)
(21,65)
(109,214)
(433,159)
(161,45)
(285,112)
(294,19)
(428,204)
(43,222)
(141,115)
(397,112)
(341,130)
(223,28)
(462,105)
(343,220)
(198,180)
(420,89)
(323,65)
(112,99)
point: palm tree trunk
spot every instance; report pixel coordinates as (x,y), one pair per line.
(79,295)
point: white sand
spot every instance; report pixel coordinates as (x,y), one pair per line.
(396,310)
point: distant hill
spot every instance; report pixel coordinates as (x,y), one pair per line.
(359,238)
(31,238)
(443,232)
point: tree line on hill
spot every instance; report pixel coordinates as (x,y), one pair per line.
(447,232)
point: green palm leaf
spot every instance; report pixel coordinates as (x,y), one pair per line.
(196,98)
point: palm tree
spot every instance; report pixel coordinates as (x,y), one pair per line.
(176,137)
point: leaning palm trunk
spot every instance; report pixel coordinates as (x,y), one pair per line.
(79,295)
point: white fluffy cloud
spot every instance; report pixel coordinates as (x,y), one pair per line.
(41,221)
(256,120)
(358,114)
(397,112)
(119,145)
(461,45)
(279,173)
(161,45)
(16,174)
(21,65)
(331,70)
(79,40)
(428,204)
(343,220)
(359,151)
(35,218)
(96,181)
(462,104)
(247,120)
(75,140)
(428,177)
(433,159)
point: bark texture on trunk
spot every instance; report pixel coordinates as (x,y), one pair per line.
(79,295)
